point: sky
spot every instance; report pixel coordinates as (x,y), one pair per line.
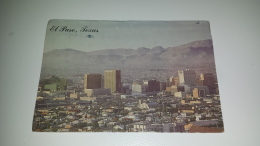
(122,34)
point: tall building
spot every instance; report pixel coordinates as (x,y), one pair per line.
(199,82)
(187,77)
(92,81)
(210,81)
(162,86)
(145,84)
(126,88)
(112,80)
(172,81)
(153,86)
(176,81)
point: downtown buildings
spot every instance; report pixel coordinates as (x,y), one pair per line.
(96,84)
(103,107)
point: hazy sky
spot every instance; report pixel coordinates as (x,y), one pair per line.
(123,34)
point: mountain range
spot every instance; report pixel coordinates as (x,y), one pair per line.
(157,62)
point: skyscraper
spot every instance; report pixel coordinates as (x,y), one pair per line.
(162,86)
(153,86)
(92,81)
(187,77)
(210,81)
(174,81)
(112,80)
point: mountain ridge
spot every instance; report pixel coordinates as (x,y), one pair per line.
(134,63)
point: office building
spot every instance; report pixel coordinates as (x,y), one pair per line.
(162,86)
(176,81)
(137,88)
(187,77)
(92,81)
(199,82)
(145,84)
(153,86)
(209,81)
(171,81)
(112,80)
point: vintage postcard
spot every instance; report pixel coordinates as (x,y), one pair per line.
(128,76)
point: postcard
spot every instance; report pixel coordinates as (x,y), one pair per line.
(128,76)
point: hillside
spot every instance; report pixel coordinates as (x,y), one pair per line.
(143,62)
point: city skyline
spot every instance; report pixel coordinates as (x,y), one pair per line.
(185,104)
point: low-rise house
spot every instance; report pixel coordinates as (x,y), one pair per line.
(62,125)
(188,126)
(180,117)
(89,128)
(68,126)
(81,114)
(205,123)
(198,117)
(187,110)
(71,117)
(73,111)
(132,117)
(59,98)
(111,123)
(89,120)
(39,98)
(128,108)
(148,119)
(63,130)
(118,127)
(104,114)
(47,117)
(195,102)
(144,127)
(148,105)
(76,122)
(43,110)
